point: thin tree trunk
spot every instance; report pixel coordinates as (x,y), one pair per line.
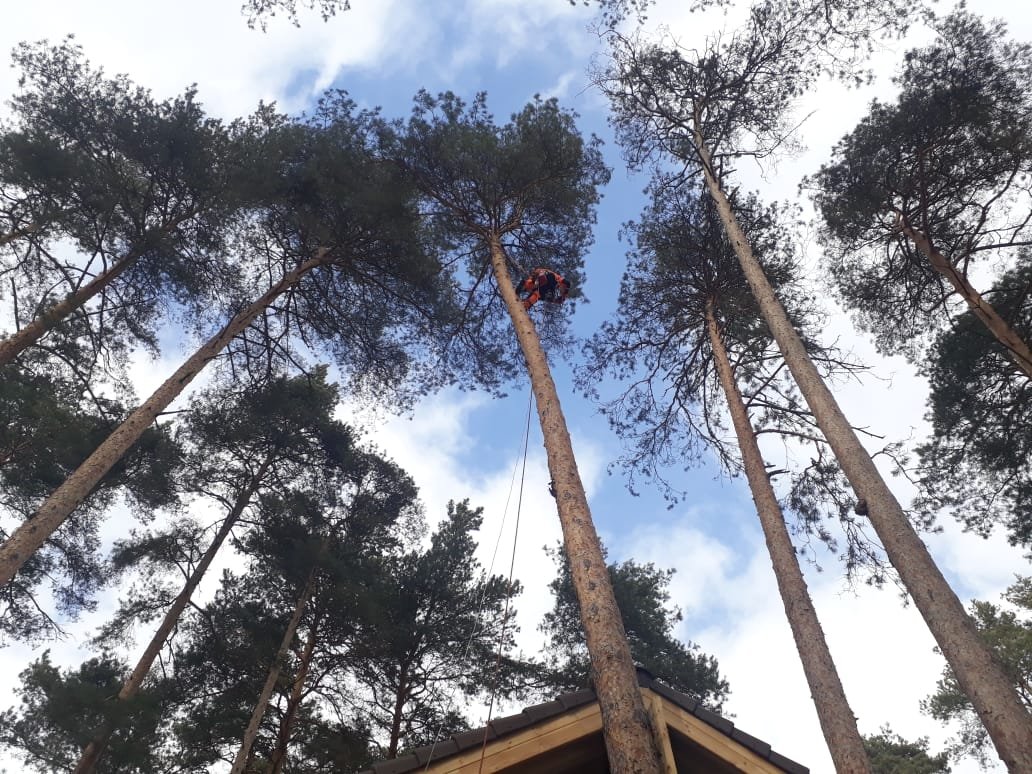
(92,752)
(18,233)
(279,756)
(399,707)
(982,309)
(16,343)
(630,742)
(972,660)
(274,672)
(836,718)
(32,533)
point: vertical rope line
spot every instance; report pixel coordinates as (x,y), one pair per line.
(494,554)
(508,595)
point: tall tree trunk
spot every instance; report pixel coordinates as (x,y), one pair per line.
(32,533)
(273,677)
(982,309)
(836,718)
(92,752)
(399,706)
(16,343)
(979,673)
(279,756)
(630,742)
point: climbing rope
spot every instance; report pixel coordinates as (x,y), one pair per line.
(508,595)
(490,568)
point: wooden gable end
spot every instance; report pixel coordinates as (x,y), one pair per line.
(571,743)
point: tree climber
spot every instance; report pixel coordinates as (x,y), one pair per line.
(544,283)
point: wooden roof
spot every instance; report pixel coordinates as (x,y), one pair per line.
(564,736)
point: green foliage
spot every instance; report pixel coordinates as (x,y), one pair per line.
(951,158)
(1009,633)
(436,630)
(60,710)
(978,462)
(682,265)
(892,754)
(47,428)
(642,594)
(258,12)
(126,178)
(532,183)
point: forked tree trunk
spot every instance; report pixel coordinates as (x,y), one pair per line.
(279,756)
(92,752)
(32,533)
(251,733)
(978,672)
(829,698)
(982,309)
(16,343)
(630,741)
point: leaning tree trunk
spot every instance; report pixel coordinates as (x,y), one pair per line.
(278,759)
(273,677)
(836,718)
(978,672)
(18,233)
(92,752)
(630,741)
(31,534)
(13,345)
(16,343)
(982,309)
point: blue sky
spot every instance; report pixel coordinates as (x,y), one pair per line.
(466,444)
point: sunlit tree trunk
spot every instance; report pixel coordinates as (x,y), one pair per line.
(16,343)
(32,533)
(630,741)
(978,672)
(92,752)
(836,718)
(982,309)
(251,733)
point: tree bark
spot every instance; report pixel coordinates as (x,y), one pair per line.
(279,756)
(92,752)
(18,233)
(836,718)
(16,343)
(982,309)
(273,677)
(978,672)
(32,533)
(399,707)
(630,742)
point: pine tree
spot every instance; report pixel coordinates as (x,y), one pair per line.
(48,425)
(978,462)
(61,709)
(688,327)
(145,191)
(1008,630)
(941,176)
(440,628)
(706,109)
(892,754)
(339,234)
(241,447)
(511,198)
(642,591)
